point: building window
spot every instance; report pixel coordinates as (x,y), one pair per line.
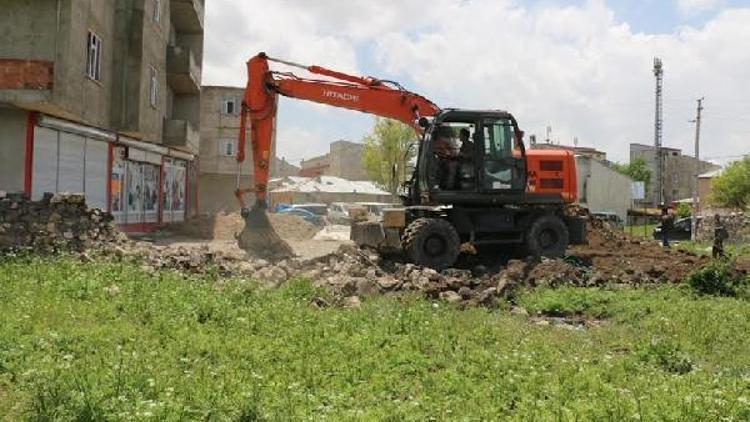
(230,106)
(157,10)
(93,56)
(153,86)
(227,147)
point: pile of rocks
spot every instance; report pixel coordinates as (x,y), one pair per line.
(56,222)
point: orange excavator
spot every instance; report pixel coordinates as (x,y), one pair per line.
(486,191)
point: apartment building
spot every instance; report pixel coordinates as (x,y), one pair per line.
(103,97)
(679,172)
(220,125)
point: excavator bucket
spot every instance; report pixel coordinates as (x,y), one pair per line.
(258,237)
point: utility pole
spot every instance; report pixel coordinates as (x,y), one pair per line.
(658,73)
(696,204)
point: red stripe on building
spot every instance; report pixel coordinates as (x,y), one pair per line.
(28,164)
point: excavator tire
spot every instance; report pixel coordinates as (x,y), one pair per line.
(431,242)
(547,236)
(259,239)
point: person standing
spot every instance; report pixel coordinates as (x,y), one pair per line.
(667,224)
(720,235)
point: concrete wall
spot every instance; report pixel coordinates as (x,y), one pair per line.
(27,29)
(216,193)
(346,160)
(602,189)
(12,149)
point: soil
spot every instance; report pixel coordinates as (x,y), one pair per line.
(615,255)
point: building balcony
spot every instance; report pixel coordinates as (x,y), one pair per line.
(181,134)
(183,71)
(187,15)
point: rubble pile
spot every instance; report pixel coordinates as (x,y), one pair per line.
(56,222)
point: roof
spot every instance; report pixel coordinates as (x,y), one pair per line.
(711,174)
(330,184)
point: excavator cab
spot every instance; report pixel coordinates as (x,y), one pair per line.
(466,155)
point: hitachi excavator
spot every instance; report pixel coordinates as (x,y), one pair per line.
(489,190)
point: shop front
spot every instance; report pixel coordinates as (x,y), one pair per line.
(143,185)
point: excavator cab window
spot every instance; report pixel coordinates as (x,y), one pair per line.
(453,155)
(500,166)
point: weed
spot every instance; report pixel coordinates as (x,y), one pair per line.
(718,278)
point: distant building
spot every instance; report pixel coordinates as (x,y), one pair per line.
(601,188)
(315,166)
(101,97)
(344,160)
(220,116)
(679,172)
(325,189)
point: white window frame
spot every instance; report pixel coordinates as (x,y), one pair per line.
(157,10)
(227,147)
(153,86)
(93,56)
(235,106)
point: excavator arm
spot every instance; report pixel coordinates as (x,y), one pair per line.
(365,94)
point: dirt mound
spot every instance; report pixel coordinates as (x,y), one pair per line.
(614,256)
(292,227)
(225,226)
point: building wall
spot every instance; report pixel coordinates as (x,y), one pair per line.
(679,172)
(218,127)
(216,193)
(346,160)
(705,192)
(12,149)
(602,189)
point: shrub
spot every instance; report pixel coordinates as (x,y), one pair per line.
(718,278)
(668,357)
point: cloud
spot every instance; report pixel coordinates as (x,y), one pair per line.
(691,7)
(575,68)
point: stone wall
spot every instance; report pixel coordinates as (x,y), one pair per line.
(736,223)
(56,222)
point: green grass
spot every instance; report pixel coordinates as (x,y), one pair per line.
(171,348)
(705,248)
(641,230)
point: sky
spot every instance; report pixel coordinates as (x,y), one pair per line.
(581,67)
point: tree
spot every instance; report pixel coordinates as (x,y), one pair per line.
(387,151)
(732,187)
(637,170)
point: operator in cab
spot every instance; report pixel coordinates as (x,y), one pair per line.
(445,152)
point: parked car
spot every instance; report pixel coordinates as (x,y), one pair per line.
(305,214)
(317,209)
(681,230)
(338,213)
(613,219)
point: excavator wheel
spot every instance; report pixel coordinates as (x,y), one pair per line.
(259,239)
(547,236)
(431,242)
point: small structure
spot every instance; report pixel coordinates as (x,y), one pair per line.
(325,189)
(705,188)
(601,188)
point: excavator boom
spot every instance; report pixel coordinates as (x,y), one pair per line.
(365,94)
